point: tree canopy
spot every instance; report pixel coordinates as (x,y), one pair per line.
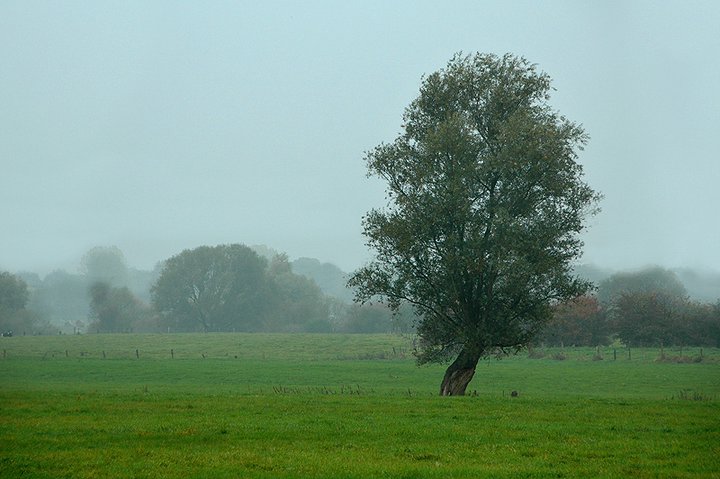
(106,264)
(115,309)
(655,280)
(485,203)
(13,298)
(212,289)
(13,293)
(232,288)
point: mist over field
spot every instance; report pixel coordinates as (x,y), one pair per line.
(159,127)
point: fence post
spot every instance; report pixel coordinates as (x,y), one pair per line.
(137,353)
(172,354)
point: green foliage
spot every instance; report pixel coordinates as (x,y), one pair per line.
(232,288)
(14,296)
(656,318)
(217,288)
(297,303)
(580,321)
(13,293)
(637,319)
(645,319)
(654,280)
(115,310)
(651,307)
(486,201)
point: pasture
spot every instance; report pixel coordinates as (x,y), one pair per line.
(356,406)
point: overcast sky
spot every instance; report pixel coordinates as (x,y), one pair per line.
(158,126)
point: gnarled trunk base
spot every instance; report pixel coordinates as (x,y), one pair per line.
(459,374)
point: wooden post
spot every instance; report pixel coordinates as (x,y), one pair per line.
(614,354)
(629,354)
(104,355)
(137,353)
(66,353)
(172,354)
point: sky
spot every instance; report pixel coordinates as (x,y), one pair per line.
(158,126)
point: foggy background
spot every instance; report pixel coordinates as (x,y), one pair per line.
(160,126)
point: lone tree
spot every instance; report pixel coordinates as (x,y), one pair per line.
(485,203)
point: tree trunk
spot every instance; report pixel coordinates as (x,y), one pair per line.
(459,374)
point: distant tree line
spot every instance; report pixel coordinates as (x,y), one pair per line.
(63,302)
(645,308)
(218,288)
(14,295)
(238,288)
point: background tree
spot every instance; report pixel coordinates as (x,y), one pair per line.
(13,298)
(115,310)
(15,317)
(105,264)
(645,307)
(649,318)
(62,299)
(486,201)
(703,324)
(297,303)
(13,293)
(654,280)
(220,288)
(580,321)
(329,278)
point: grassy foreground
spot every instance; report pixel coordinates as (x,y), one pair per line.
(268,406)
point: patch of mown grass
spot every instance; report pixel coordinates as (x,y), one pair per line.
(303,409)
(135,435)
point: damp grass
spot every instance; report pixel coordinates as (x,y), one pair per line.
(334,407)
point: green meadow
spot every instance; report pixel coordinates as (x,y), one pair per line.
(355,406)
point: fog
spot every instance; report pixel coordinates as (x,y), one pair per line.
(159,126)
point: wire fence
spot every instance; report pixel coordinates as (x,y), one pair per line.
(675,354)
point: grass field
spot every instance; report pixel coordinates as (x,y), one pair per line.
(281,406)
